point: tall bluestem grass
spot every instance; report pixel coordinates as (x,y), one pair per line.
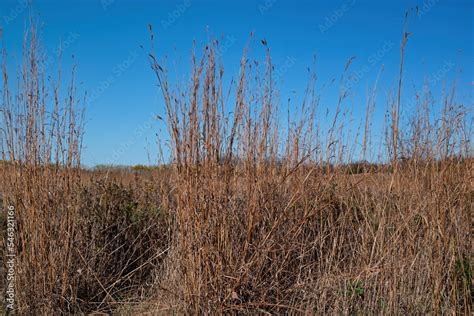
(254,214)
(268,221)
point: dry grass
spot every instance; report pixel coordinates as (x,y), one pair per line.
(253,215)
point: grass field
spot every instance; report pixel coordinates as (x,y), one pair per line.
(251,214)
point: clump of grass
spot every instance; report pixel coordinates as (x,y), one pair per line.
(81,244)
(268,221)
(41,139)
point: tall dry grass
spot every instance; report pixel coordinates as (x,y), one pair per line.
(82,243)
(268,221)
(41,141)
(261,210)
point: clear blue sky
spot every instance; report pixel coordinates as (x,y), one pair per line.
(105,38)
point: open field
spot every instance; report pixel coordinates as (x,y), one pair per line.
(249,215)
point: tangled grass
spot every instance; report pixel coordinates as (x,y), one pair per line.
(252,215)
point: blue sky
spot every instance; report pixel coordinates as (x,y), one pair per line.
(105,38)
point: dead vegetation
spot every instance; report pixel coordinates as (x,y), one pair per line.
(253,214)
